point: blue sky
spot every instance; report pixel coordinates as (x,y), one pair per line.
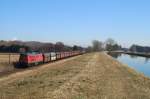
(76,21)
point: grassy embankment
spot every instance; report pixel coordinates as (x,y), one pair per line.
(90,76)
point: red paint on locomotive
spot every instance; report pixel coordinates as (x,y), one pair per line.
(30,58)
(33,58)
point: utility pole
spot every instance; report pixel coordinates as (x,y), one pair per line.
(9,57)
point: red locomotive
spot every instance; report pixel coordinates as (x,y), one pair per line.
(35,58)
(28,59)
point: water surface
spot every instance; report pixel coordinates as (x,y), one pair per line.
(141,64)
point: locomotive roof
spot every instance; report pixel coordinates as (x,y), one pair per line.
(33,53)
(29,53)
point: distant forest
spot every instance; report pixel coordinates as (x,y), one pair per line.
(138,48)
(20,46)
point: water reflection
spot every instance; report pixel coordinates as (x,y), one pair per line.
(141,64)
(114,55)
(147,60)
(117,55)
(133,56)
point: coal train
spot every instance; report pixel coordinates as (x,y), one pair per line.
(35,58)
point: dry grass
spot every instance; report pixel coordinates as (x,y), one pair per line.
(6,65)
(38,83)
(4,57)
(90,76)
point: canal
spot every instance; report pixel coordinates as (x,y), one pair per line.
(141,64)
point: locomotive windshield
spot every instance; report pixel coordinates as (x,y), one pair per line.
(22,57)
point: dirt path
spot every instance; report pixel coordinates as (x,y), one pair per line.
(90,76)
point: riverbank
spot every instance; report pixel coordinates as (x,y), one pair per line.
(132,53)
(90,76)
(138,54)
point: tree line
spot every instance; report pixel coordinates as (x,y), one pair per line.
(108,45)
(16,47)
(138,48)
(42,47)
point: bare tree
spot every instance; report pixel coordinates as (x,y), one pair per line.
(97,45)
(59,46)
(111,45)
(110,41)
(89,49)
